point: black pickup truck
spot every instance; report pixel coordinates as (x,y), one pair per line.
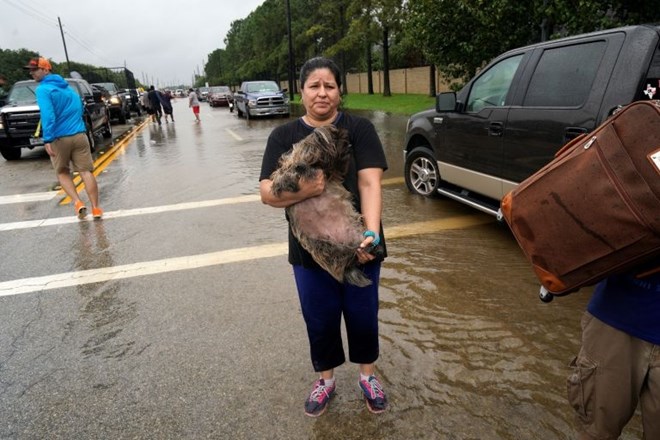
(19,118)
(512,117)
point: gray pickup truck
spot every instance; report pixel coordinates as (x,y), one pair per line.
(261,98)
(19,118)
(511,118)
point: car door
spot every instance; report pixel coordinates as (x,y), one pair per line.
(471,152)
(95,108)
(562,97)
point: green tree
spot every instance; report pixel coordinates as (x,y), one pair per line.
(460,36)
(11,65)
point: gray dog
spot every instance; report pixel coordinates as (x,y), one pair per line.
(327,226)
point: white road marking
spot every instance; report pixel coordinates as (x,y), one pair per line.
(33,197)
(234,134)
(129,212)
(69,279)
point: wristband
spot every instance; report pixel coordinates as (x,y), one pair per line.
(376,237)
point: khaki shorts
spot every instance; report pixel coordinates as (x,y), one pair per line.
(72,150)
(612,374)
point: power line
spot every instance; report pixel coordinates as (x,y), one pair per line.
(43,18)
(32,12)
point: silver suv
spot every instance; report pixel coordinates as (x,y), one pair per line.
(261,98)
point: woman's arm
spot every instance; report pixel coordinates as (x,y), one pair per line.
(371,205)
(308,188)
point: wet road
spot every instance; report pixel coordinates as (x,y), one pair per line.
(176,316)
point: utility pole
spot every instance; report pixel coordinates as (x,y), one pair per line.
(291,62)
(66,54)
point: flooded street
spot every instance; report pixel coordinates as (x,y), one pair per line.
(176,316)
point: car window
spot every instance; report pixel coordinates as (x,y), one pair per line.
(549,87)
(86,90)
(491,87)
(23,93)
(651,87)
(267,86)
(110,87)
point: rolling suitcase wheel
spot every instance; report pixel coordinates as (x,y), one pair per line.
(545,295)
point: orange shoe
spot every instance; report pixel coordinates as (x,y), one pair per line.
(80,209)
(97,213)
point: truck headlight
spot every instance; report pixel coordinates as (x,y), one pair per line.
(115,100)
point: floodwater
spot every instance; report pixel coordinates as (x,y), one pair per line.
(468,351)
(472,350)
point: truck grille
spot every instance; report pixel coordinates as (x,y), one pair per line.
(22,124)
(270,101)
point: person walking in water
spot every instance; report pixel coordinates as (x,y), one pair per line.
(193,102)
(64,134)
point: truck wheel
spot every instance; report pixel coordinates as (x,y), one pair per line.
(11,153)
(421,172)
(239,112)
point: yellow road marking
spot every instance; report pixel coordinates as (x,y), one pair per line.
(103,161)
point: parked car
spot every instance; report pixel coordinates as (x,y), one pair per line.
(119,107)
(179,93)
(203,93)
(511,118)
(132,97)
(261,98)
(19,119)
(220,96)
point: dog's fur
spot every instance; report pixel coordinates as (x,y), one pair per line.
(327,226)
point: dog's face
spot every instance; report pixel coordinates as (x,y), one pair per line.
(326,148)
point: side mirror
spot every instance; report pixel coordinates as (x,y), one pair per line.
(445,102)
(98,96)
(285,90)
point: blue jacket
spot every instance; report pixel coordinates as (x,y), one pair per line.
(60,107)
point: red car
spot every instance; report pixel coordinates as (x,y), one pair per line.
(220,96)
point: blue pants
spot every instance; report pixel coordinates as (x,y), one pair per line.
(323,301)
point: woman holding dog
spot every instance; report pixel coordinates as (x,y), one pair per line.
(324,300)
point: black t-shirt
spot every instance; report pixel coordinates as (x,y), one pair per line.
(367,153)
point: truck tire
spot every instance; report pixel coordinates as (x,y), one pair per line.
(421,172)
(10,153)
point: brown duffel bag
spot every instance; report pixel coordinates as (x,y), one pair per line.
(595,209)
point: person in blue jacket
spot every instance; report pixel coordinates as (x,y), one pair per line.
(618,366)
(64,134)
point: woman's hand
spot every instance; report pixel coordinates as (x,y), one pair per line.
(306,189)
(312,187)
(371,240)
(363,255)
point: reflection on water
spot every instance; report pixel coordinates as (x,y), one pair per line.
(483,357)
(104,310)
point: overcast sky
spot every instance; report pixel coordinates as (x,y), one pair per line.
(160,41)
